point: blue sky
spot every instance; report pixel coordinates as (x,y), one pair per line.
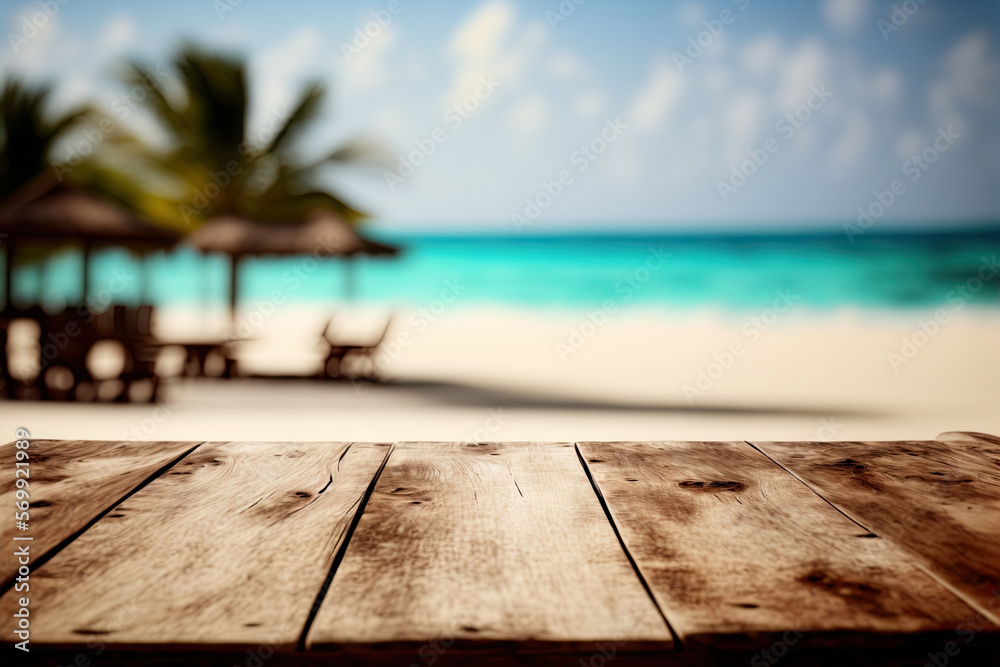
(684,118)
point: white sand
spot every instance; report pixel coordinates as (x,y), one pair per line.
(497,374)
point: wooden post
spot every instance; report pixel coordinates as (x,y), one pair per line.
(234,270)
(86,271)
(350,278)
(8,273)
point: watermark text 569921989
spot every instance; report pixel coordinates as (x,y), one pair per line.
(22,546)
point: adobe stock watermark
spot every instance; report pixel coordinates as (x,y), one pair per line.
(915,168)
(146,427)
(898,16)
(698,44)
(223,7)
(778,649)
(966,631)
(626,287)
(828,429)
(910,346)
(494,421)
(368,33)
(122,107)
(605,651)
(751,332)
(454,117)
(34,23)
(786,126)
(581,158)
(561,13)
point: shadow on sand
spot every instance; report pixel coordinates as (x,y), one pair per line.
(459,394)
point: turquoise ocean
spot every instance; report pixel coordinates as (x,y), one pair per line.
(824,271)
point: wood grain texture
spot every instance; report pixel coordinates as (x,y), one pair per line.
(738,552)
(229,548)
(938,500)
(466,545)
(967,436)
(71,482)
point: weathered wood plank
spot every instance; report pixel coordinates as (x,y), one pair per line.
(968,436)
(737,552)
(71,482)
(480,544)
(938,500)
(228,548)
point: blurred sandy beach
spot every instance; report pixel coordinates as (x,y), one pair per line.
(505,374)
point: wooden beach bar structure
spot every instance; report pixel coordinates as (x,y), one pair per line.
(573,553)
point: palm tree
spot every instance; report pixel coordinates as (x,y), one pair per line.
(212,164)
(214,169)
(27,138)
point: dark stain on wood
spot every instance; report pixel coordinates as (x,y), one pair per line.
(706,560)
(936,500)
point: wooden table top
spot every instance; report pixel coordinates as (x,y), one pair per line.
(423,553)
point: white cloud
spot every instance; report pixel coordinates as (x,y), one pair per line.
(43,47)
(967,81)
(480,36)
(278,73)
(653,104)
(368,69)
(565,65)
(743,118)
(970,69)
(490,44)
(852,141)
(529,114)
(845,15)
(690,14)
(717,79)
(119,33)
(589,105)
(805,67)
(762,55)
(909,144)
(79,65)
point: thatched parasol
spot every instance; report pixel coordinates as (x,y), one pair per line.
(323,234)
(69,215)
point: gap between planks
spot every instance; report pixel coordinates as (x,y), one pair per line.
(678,643)
(300,646)
(961,595)
(808,486)
(51,553)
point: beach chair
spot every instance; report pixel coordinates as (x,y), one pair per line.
(359,360)
(334,356)
(65,339)
(132,327)
(142,351)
